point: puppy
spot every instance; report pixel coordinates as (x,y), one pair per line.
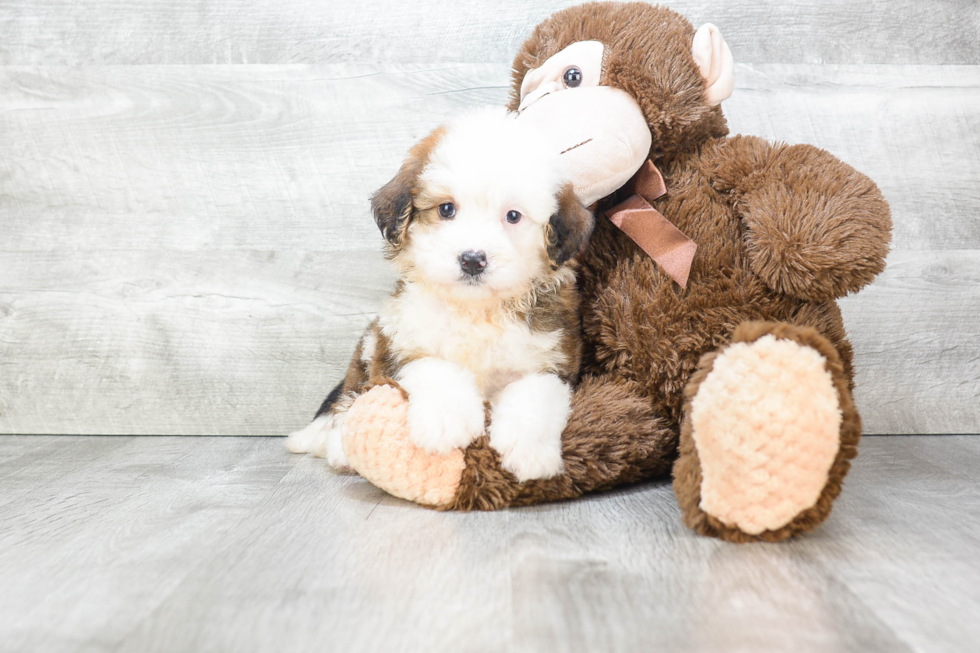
(483,233)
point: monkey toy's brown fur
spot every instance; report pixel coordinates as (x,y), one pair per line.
(782,231)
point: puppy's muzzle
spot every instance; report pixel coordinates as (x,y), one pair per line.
(473,262)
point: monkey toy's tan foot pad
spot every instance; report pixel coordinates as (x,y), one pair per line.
(376,441)
(769,428)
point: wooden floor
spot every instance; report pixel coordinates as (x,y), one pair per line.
(232,544)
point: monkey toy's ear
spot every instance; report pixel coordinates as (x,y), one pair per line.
(569,228)
(392,203)
(715,60)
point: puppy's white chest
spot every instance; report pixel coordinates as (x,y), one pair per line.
(496,351)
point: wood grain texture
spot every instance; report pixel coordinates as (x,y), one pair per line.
(98,531)
(171,157)
(202,157)
(214,342)
(188,250)
(180,544)
(437,31)
(916,332)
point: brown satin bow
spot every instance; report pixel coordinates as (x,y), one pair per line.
(665,243)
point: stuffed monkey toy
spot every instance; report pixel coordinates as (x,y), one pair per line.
(713,345)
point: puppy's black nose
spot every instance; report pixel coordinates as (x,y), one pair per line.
(473,263)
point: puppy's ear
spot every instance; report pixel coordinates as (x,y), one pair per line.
(392,204)
(569,228)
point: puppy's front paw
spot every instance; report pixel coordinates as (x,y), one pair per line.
(529,460)
(445,409)
(439,427)
(526,426)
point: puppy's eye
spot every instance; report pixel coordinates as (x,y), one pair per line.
(572,77)
(447,210)
(513,217)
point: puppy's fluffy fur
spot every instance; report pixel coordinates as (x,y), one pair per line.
(482,231)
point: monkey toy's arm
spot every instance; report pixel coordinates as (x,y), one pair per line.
(816,228)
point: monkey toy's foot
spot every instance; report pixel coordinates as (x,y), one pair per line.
(768,433)
(378,445)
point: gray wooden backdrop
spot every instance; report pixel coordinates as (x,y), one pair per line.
(186,246)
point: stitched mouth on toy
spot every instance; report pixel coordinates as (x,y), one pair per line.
(573,147)
(600,134)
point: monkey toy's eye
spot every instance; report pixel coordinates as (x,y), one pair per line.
(513,217)
(447,210)
(572,77)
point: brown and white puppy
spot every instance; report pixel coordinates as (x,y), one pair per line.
(482,230)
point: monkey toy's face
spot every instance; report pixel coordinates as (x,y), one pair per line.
(601,115)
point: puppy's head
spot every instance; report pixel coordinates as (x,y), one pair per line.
(479,211)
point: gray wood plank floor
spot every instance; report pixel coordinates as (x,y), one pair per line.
(140,32)
(232,544)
